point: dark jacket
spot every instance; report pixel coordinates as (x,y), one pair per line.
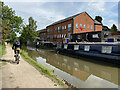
(16,45)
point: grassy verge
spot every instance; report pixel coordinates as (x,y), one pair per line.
(41,69)
(2,50)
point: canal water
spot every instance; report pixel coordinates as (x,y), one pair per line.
(81,73)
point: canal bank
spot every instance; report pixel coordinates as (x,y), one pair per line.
(100,51)
(80,72)
(22,75)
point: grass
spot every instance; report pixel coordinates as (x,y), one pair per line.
(43,70)
(2,50)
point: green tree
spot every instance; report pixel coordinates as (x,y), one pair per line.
(10,22)
(114,29)
(12,36)
(99,19)
(29,31)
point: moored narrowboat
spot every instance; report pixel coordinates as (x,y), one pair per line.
(108,51)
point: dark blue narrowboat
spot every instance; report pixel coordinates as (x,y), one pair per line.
(105,50)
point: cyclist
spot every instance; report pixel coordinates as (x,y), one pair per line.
(16,46)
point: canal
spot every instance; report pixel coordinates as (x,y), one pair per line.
(79,72)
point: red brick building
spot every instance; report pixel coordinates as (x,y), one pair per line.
(42,35)
(77,27)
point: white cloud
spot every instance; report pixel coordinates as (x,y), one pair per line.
(46,13)
(60,0)
(96,6)
(111,22)
(119,26)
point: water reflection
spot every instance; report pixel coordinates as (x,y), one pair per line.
(81,73)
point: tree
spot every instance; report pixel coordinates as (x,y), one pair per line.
(99,19)
(12,36)
(29,31)
(114,29)
(10,22)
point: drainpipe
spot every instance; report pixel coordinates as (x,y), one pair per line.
(73,25)
(73,28)
(94,26)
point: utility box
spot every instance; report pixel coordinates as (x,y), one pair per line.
(111,40)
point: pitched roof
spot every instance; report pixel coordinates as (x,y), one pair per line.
(71,17)
(98,23)
(105,28)
(66,19)
(42,30)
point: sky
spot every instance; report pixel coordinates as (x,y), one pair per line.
(45,13)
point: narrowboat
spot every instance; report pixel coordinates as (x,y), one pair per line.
(109,51)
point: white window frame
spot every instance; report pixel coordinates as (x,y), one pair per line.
(65,26)
(76,25)
(80,25)
(64,35)
(48,31)
(84,26)
(69,27)
(59,30)
(69,35)
(62,27)
(91,27)
(88,27)
(60,35)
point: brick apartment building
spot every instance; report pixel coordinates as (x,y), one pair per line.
(42,35)
(78,27)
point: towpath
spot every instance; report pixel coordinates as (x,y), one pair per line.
(22,75)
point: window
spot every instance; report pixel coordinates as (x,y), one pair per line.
(65,26)
(64,35)
(55,29)
(80,25)
(84,26)
(62,27)
(60,35)
(48,31)
(91,27)
(88,27)
(69,27)
(55,37)
(59,30)
(69,35)
(76,25)
(48,38)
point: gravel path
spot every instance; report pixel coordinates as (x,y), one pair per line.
(22,75)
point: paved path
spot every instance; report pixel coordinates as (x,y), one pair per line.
(22,75)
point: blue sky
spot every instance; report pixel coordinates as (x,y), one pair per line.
(46,13)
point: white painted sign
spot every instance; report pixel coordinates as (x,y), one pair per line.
(76,47)
(87,48)
(65,46)
(106,49)
(95,36)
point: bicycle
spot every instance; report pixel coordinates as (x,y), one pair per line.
(17,56)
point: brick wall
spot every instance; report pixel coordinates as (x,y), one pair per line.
(83,19)
(63,32)
(98,27)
